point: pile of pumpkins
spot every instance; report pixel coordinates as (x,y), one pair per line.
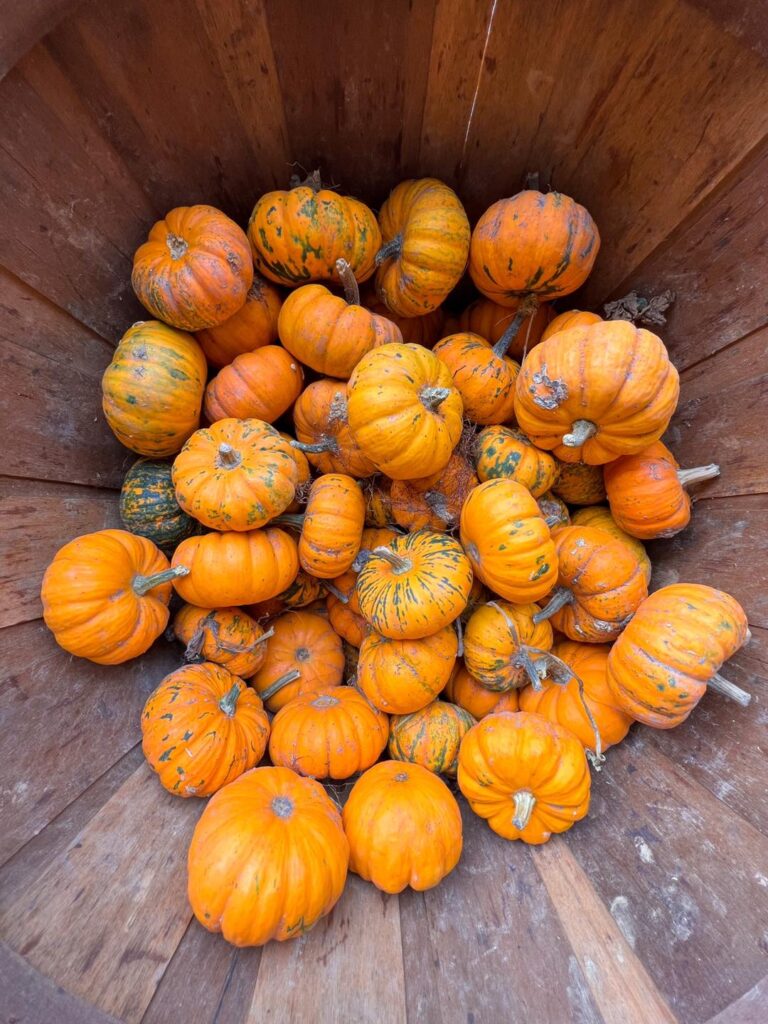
(416,559)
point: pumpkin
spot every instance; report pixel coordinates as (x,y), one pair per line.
(328,735)
(464,690)
(505,453)
(303,591)
(148,505)
(579,484)
(430,737)
(573,318)
(268,858)
(412,587)
(600,517)
(331,334)
(400,676)
(404,411)
(378,503)
(258,385)
(225,636)
(595,392)
(322,430)
(504,646)
(647,493)
(152,390)
(527,776)
(564,705)
(554,510)
(201,728)
(491,321)
(195,268)
(404,827)
(252,326)
(435,502)
(416,330)
(304,473)
(235,475)
(600,585)
(332,526)
(304,655)
(508,542)
(672,650)
(226,569)
(425,235)
(344,609)
(483,375)
(105,596)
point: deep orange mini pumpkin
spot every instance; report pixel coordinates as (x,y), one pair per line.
(416,330)
(436,501)
(322,430)
(572,318)
(332,526)
(430,737)
(527,776)
(600,517)
(304,590)
(252,326)
(403,826)
(201,728)
(506,453)
(483,375)
(225,636)
(491,321)
(578,483)
(258,385)
(464,690)
(195,268)
(504,648)
(268,858)
(400,676)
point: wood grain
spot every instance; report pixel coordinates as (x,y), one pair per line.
(105,918)
(750,1009)
(23,24)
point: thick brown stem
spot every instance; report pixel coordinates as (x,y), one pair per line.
(335,592)
(229,701)
(143,584)
(284,680)
(176,246)
(312,180)
(347,278)
(399,564)
(560,598)
(525,801)
(432,398)
(390,250)
(459,638)
(227,457)
(581,431)
(438,503)
(328,444)
(297,522)
(524,660)
(527,308)
(729,689)
(697,475)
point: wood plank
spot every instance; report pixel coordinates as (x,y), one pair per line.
(617,979)
(348,968)
(488,939)
(681,875)
(110,942)
(23,24)
(63,712)
(750,1009)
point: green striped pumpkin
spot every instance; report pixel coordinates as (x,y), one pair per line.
(148,505)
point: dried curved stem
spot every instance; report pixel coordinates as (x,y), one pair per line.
(581,431)
(229,701)
(143,584)
(335,592)
(294,521)
(525,801)
(698,475)
(328,444)
(227,456)
(561,674)
(728,689)
(459,637)
(347,278)
(561,596)
(527,308)
(398,563)
(176,245)
(390,250)
(432,398)
(284,680)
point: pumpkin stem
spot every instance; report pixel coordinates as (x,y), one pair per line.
(143,584)
(390,250)
(532,181)
(335,592)
(229,701)
(636,309)
(527,308)
(347,278)
(460,637)
(328,444)
(525,801)
(561,673)
(297,522)
(432,398)
(729,689)
(312,180)
(535,669)
(697,475)
(581,431)
(284,680)
(227,457)
(561,596)
(398,563)
(282,806)
(361,558)
(438,503)
(176,245)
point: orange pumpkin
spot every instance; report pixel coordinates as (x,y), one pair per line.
(152,390)
(304,655)
(464,690)
(527,776)
(504,646)
(328,735)
(492,321)
(600,517)
(578,483)
(505,453)
(344,609)
(435,502)
(268,858)
(252,326)
(378,503)
(304,590)
(201,728)
(332,526)
(573,318)
(430,737)
(403,826)
(484,376)
(105,596)
(595,392)
(554,510)
(416,330)
(322,430)
(195,268)
(400,676)
(304,473)
(672,650)
(508,542)
(226,569)
(226,636)
(258,385)
(404,412)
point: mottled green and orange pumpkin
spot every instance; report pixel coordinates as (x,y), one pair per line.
(148,505)
(431,736)
(506,453)
(225,636)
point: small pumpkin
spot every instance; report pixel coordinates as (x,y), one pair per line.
(304,655)
(672,650)
(403,826)
(508,542)
(404,412)
(594,392)
(430,737)
(323,433)
(303,591)
(491,321)
(304,474)
(412,587)
(425,235)
(235,475)
(332,734)
(378,503)
(258,385)
(226,569)
(436,501)
(482,374)
(572,318)
(464,690)
(298,235)
(252,326)
(416,330)
(504,646)
(201,728)
(268,858)
(506,453)
(195,268)
(148,505)
(344,609)
(600,585)
(226,636)
(152,390)
(554,510)
(401,676)
(578,483)
(332,526)
(105,596)
(600,517)
(647,493)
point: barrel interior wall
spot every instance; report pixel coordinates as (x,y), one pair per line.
(654,114)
